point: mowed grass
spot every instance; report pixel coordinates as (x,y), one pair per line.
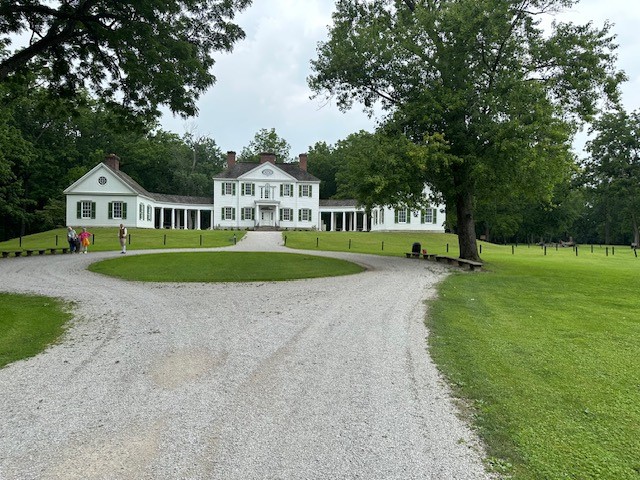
(106,239)
(28,324)
(547,351)
(223,267)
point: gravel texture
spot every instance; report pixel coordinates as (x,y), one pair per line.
(312,379)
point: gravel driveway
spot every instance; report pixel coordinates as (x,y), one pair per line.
(310,379)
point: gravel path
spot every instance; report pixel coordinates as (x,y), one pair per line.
(312,379)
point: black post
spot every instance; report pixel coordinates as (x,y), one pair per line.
(545,249)
(234,239)
(200,239)
(20,241)
(513,250)
(129,239)
(576,250)
(56,240)
(317,240)
(606,251)
(480,249)
(285,240)
(592,248)
(349,244)
(447,248)
(635,252)
(93,238)
(383,245)
(613,250)
(164,241)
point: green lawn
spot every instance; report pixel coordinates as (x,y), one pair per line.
(28,324)
(106,239)
(547,350)
(223,267)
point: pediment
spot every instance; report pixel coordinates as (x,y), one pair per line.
(266,172)
(99,180)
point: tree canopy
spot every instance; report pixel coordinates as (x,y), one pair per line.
(266,141)
(490,95)
(136,53)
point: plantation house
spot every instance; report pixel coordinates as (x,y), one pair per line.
(264,195)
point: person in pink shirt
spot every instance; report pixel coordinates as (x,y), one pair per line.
(84,240)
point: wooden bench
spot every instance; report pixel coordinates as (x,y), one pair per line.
(461,262)
(16,253)
(429,256)
(413,255)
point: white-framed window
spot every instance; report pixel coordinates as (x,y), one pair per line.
(228,188)
(117,210)
(149,212)
(286,190)
(228,213)
(382,216)
(286,214)
(429,215)
(305,190)
(248,213)
(86,209)
(375,217)
(141,212)
(402,216)
(266,191)
(304,215)
(248,189)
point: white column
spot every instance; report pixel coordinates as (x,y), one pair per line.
(333,222)
(198,214)
(185,225)
(365,227)
(173,218)
(161,223)
(344,221)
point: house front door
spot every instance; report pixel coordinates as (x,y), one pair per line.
(267,216)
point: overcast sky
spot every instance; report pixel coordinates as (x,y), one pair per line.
(263,82)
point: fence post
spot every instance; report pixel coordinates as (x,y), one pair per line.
(447,248)
(129,239)
(317,240)
(349,244)
(56,240)
(545,250)
(513,250)
(383,245)
(164,240)
(285,240)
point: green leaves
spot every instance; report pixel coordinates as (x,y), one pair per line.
(142,53)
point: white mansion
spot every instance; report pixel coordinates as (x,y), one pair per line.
(266,195)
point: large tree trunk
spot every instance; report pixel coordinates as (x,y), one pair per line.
(464,210)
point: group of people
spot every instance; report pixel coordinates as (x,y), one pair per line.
(79,242)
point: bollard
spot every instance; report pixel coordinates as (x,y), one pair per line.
(613,250)
(234,239)
(349,244)
(513,250)
(545,250)
(317,240)
(164,241)
(447,248)
(200,240)
(129,239)
(56,240)
(93,238)
(383,245)
(480,249)
(606,251)
(576,250)
(285,240)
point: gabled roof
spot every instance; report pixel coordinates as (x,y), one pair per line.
(292,169)
(338,203)
(140,190)
(130,182)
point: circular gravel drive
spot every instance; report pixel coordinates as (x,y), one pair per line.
(310,379)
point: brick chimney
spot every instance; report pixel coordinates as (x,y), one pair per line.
(113,161)
(302,158)
(231,159)
(268,157)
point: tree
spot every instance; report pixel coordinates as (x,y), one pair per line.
(323,163)
(140,53)
(266,141)
(503,94)
(613,168)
